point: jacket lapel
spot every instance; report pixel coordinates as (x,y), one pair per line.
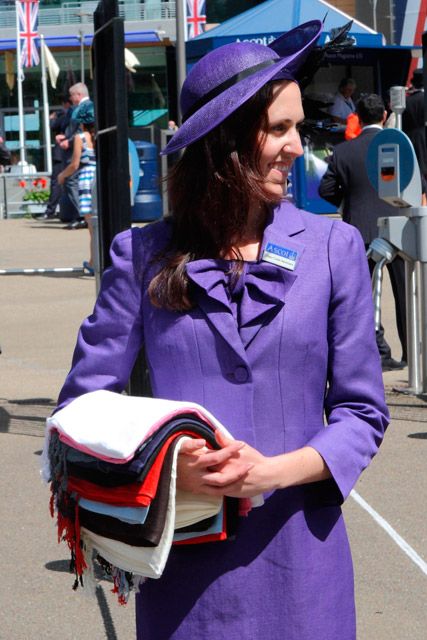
(210,279)
(267,281)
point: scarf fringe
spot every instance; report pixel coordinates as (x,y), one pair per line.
(83,555)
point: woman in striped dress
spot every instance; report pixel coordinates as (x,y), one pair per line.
(84,160)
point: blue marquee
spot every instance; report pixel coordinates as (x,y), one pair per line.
(268,20)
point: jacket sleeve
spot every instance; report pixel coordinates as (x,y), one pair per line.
(355,408)
(331,187)
(109,340)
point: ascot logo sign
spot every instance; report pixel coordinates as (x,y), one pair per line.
(265,40)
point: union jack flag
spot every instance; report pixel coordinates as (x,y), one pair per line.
(196,17)
(28,14)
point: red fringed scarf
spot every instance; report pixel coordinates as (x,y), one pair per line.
(69,530)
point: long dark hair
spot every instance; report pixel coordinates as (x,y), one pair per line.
(210,190)
(90,128)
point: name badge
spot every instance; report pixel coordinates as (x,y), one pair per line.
(280,256)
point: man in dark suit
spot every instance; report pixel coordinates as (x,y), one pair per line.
(413,120)
(346,182)
(59,122)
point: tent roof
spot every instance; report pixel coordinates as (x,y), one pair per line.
(270,19)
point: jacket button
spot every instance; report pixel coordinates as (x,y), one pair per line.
(241,374)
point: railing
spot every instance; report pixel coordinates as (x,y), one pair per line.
(79,12)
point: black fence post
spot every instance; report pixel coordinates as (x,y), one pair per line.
(113,175)
(113,191)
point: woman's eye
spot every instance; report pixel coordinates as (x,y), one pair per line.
(279,128)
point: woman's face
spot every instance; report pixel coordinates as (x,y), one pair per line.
(281,142)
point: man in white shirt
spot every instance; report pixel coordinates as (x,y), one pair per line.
(343,104)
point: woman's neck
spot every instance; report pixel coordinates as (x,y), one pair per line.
(247,245)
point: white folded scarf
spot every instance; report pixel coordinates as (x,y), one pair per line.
(112,426)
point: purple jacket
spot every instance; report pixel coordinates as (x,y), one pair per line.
(298,344)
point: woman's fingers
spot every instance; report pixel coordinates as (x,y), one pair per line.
(214,458)
(192,445)
(228,476)
(222,439)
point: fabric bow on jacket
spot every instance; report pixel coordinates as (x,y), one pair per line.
(254,297)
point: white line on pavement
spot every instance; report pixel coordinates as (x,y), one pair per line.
(406,548)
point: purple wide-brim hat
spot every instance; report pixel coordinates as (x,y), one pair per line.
(227,77)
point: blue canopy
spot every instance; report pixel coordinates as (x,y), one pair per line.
(268,20)
(132,37)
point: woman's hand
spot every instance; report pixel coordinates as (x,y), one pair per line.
(240,471)
(261,475)
(196,463)
(60,179)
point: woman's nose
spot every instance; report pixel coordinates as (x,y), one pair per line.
(293,144)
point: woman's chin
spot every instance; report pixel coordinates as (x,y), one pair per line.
(276,190)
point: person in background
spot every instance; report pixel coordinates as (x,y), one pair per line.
(413,119)
(5,155)
(262,313)
(79,95)
(59,122)
(83,164)
(346,183)
(353,128)
(343,103)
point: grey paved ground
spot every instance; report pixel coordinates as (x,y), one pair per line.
(38,323)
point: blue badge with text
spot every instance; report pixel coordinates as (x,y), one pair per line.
(280,256)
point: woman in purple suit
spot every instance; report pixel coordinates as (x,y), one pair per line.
(262,313)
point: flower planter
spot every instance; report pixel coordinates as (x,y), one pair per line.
(33,208)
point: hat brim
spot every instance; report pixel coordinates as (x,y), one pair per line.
(293,46)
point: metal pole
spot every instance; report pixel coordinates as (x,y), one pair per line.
(377,280)
(374,14)
(19,79)
(82,56)
(420,220)
(5,197)
(181,67)
(391,14)
(423,284)
(412,323)
(46,120)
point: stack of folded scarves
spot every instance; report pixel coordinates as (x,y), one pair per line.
(111,460)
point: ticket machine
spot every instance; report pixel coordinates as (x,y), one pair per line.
(393,171)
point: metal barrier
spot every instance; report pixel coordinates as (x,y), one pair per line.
(394,172)
(12,206)
(403,235)
(381,252)
(42,271)
(12,203)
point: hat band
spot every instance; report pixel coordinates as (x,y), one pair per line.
(226,85)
